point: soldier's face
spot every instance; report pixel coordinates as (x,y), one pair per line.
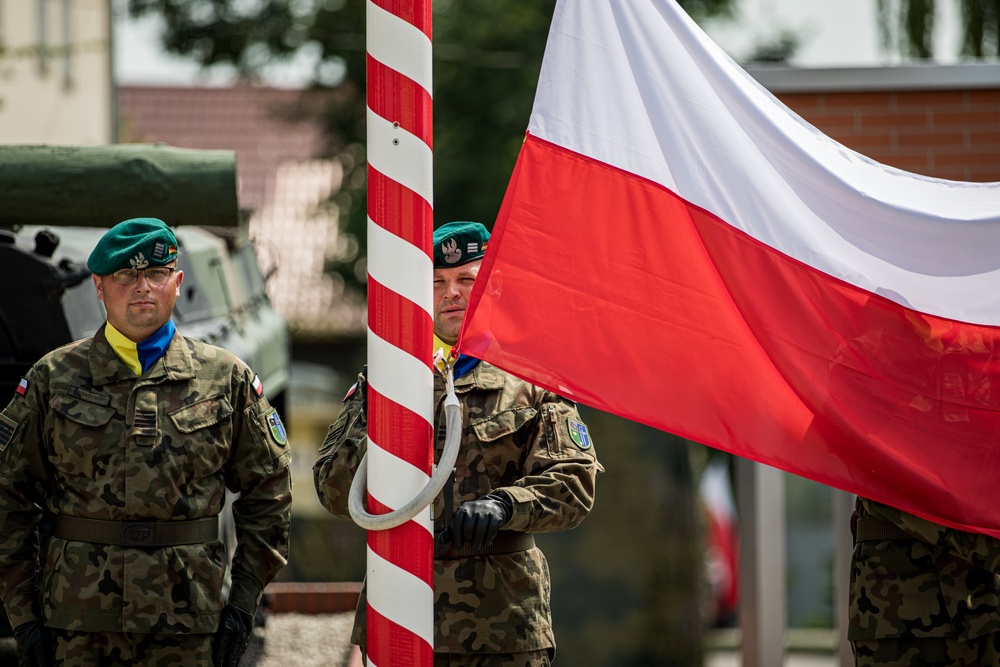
(451,296)
(140,309)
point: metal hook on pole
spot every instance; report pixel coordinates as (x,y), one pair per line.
(440,476)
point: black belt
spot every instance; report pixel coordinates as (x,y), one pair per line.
(871,529)
(136,533)
(506,542)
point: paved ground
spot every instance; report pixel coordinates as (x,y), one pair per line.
(728,659)
(288,640)
(300,640)
(323,640)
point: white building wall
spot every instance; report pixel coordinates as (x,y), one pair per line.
(55,72)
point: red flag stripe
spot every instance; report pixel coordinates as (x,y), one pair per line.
(715,336)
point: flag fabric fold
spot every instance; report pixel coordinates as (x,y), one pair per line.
(679,248)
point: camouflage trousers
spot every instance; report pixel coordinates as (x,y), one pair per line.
(121,649)
(928,652)
(541,658)
(527,659)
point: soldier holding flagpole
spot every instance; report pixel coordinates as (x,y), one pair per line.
(527,465)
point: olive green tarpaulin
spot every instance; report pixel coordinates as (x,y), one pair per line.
(98,186)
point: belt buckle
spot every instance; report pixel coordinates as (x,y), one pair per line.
(138,533)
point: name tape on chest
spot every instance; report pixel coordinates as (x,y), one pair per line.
(89,396)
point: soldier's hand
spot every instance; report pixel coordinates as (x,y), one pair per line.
(232,637)
(33,646)
(477,522)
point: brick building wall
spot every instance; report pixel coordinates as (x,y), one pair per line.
(935,121)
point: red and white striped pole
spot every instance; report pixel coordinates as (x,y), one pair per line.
(400,329)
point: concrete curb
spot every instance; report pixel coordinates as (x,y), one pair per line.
(311,597)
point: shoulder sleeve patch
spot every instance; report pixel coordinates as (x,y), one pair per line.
(579,434)
(8,427)
(277,429)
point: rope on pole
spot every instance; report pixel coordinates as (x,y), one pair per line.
(441,476)
(400,327)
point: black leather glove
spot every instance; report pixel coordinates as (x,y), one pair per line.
(33,646)
(232,637)
(477,522)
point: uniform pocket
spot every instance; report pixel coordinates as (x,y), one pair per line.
(78,434)
(503,424)
(204,427)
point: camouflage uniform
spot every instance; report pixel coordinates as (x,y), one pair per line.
(89,439)
(515,437)
(922,594)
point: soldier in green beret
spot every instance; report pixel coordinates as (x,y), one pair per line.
(527,465)
(122,446)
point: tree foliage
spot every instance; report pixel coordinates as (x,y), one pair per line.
(907,27)
(487,57)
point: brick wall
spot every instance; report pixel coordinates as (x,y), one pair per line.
(953,134)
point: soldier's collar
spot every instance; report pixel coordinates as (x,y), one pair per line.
(177,361)
(483,376)
(107,367)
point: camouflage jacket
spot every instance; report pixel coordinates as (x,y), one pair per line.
(943,583)
(89,439)
(515,437)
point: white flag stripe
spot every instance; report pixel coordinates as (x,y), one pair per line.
(397,481)
(400,377)
(401,267)
(399,46)
(668,105)
(389,586)
(401,156)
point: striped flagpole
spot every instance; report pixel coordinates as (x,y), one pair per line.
(400,326)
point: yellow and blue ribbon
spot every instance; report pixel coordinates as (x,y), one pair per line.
(463,364)
(140,356)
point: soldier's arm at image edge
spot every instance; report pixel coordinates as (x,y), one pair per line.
(980,550)
(262,513)
(558,489)
(340,455)
(20,511)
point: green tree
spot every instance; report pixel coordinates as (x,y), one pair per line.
(486,61)
(907,27)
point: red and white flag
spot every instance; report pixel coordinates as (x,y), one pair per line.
(679,248)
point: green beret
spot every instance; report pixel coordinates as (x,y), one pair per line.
(457,243)
(137,243)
